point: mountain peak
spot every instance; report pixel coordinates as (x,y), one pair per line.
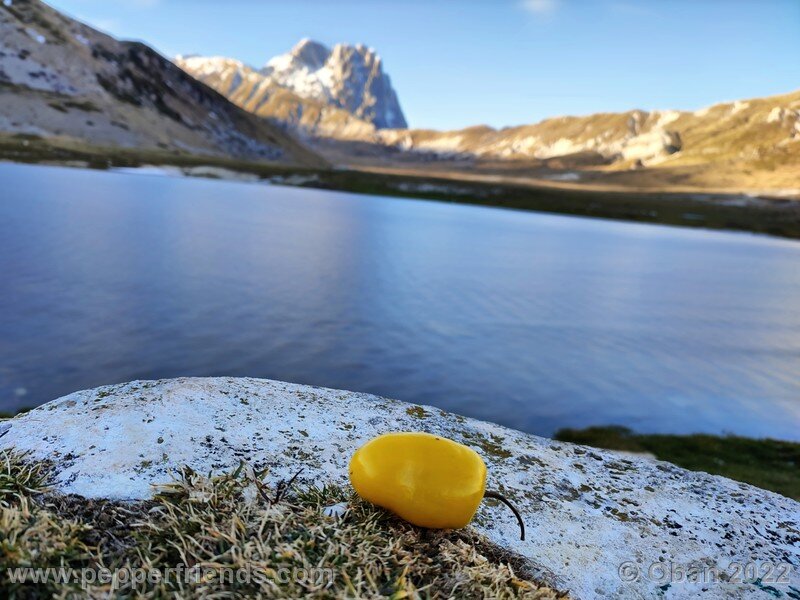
(310,53)
(349,77)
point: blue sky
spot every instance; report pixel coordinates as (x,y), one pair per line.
(459,63)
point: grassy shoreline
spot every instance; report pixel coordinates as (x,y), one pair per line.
(769,216)
(766,463)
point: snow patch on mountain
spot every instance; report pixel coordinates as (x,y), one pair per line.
(35,35)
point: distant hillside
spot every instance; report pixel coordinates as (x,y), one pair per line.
(747,144)
(761,130)
(341,93)
(62,79)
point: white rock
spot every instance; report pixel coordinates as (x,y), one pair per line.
(652,144)
(587,511)
(776,115)
(566,176)
(784,116)
(335,511)
(739,106)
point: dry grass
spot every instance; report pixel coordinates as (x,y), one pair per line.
(233,524)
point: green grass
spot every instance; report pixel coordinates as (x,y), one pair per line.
(33,149)
(769,464)
(778,218)
(10,415)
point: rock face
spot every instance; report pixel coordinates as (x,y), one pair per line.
(61,78)
(262,96)
(593,517)
(342,92)
(349,77)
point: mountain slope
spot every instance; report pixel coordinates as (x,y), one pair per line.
(633,135)
(341,93)
(723,131)
(750,143)
(62,79)
(262,96)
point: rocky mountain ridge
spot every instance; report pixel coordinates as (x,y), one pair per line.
(262,96)
(317,91)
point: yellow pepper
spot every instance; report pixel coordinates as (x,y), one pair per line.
(428,480)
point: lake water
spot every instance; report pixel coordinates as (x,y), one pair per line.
(529,320)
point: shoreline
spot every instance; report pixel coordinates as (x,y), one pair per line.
(541,181)
(708,209)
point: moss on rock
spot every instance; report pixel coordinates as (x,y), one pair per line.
(224,526)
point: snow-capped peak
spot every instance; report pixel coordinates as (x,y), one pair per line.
(311,53)
(349,77)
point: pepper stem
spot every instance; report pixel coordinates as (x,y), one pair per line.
(507,502)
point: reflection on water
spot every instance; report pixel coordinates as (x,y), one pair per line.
(533,321)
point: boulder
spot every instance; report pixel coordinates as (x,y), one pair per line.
(596,521)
